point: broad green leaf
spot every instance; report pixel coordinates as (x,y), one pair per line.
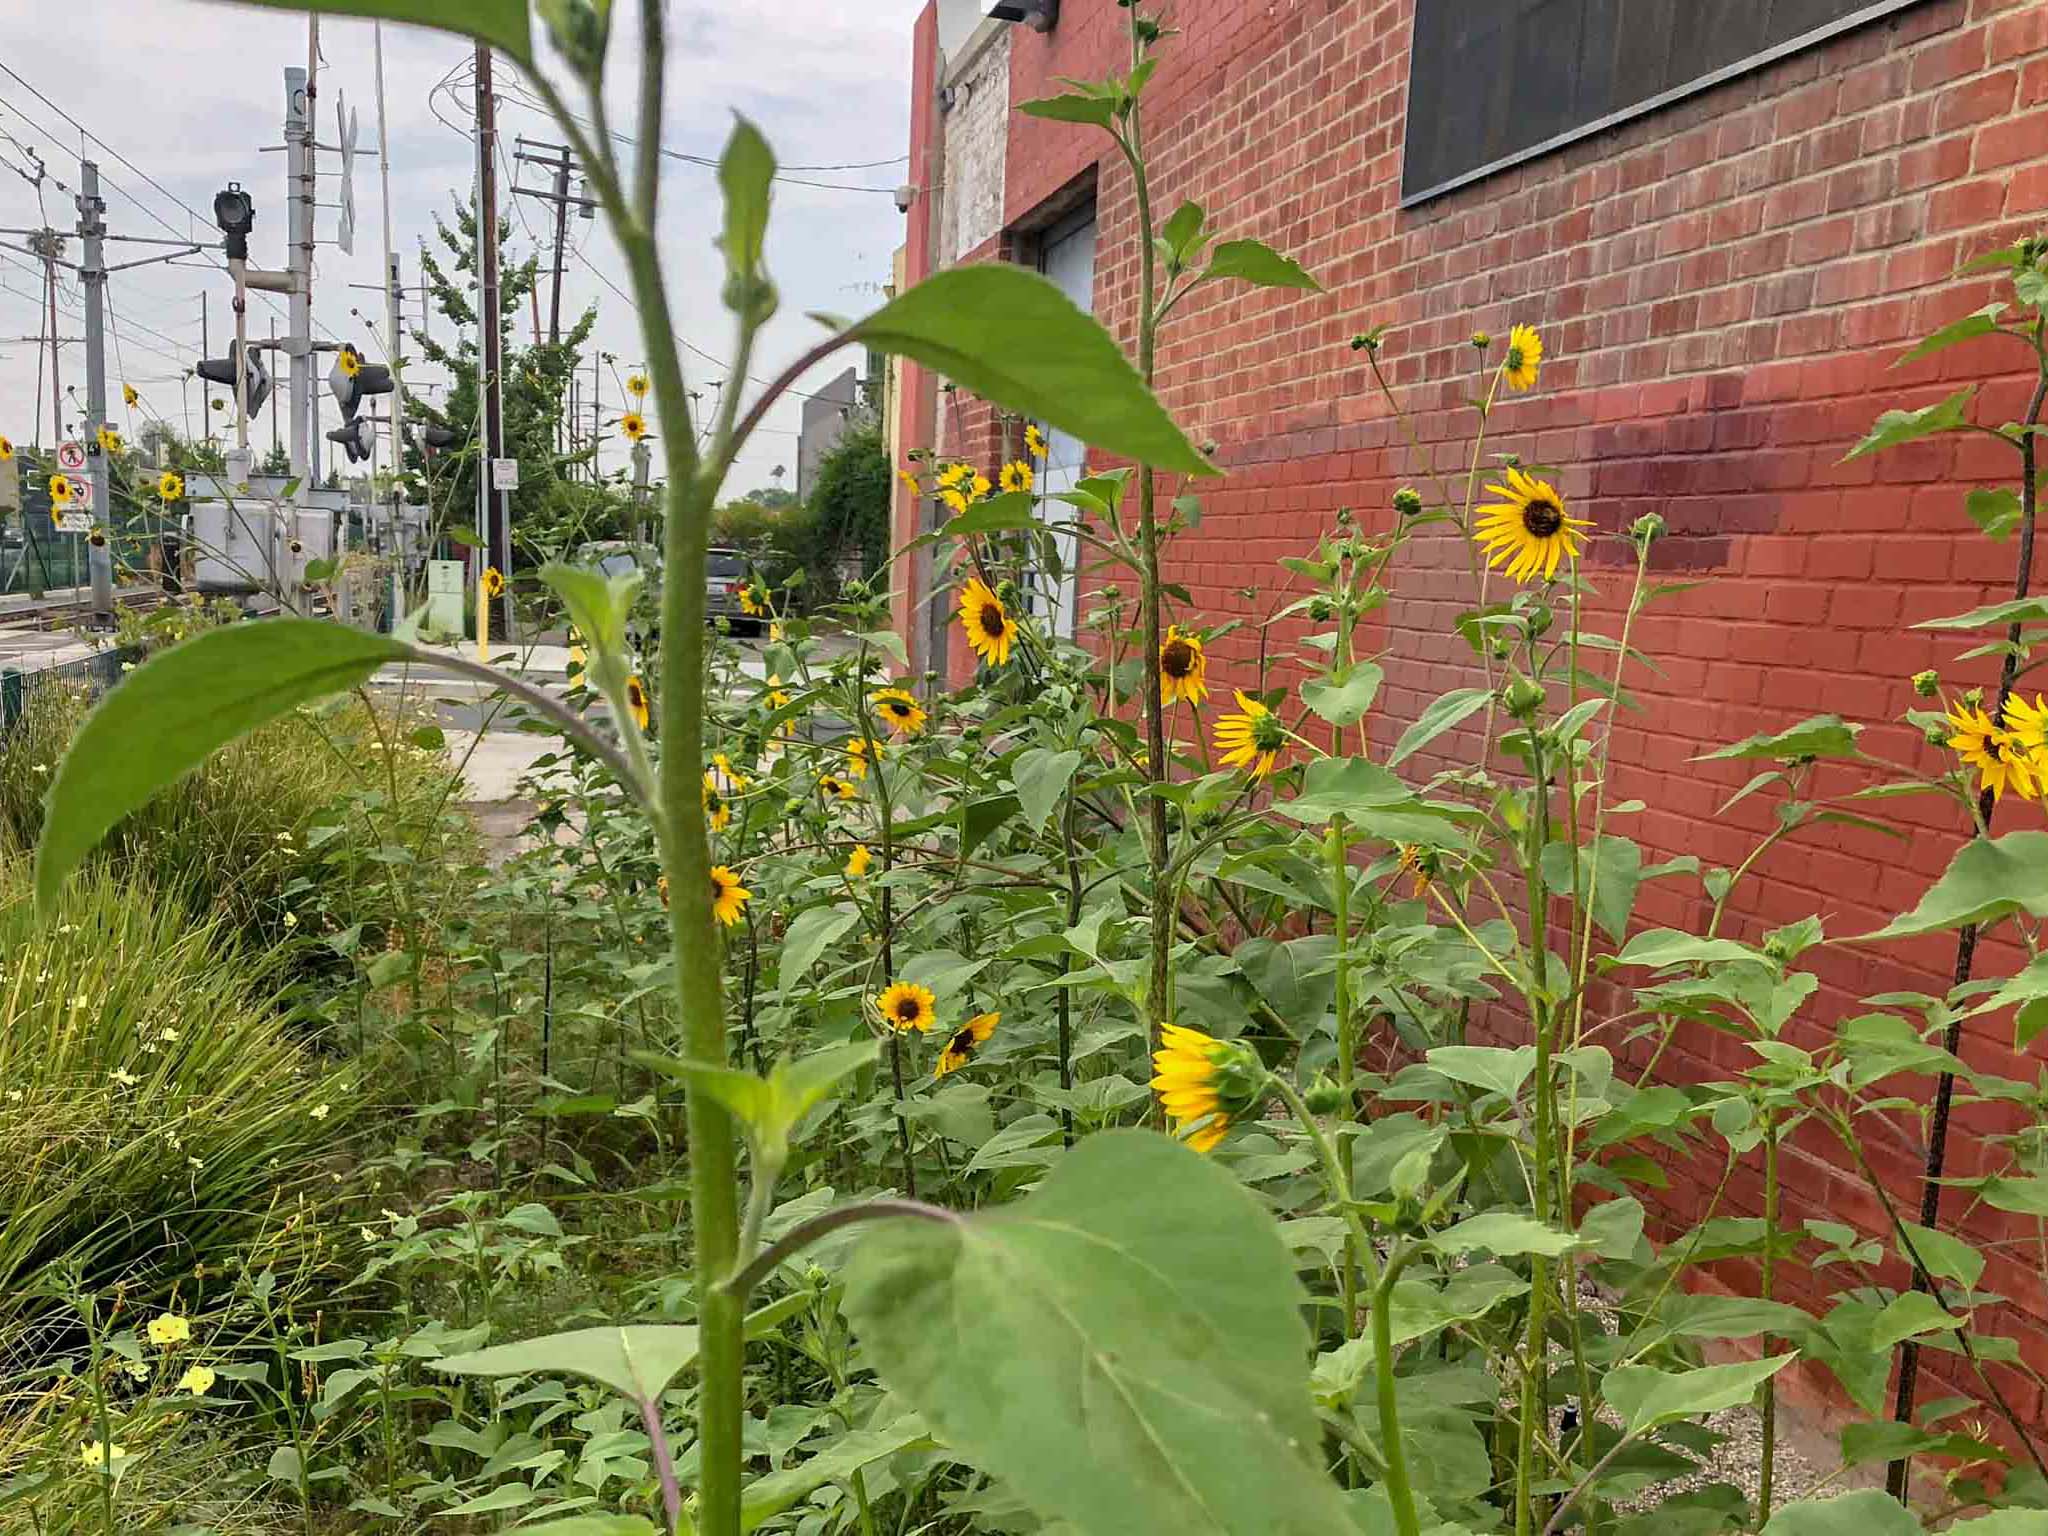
(767,1497)
(501,23)
(1004,512)
(1997,512)
(1895,427)
(598,605)
(1981,322)
(2027,1197)
(1012,337)
(1988,878)
(1866,1512)
(1646,1397)
(1504,1234)
(2025,610)
(2000,1522)
(638,1362)
(811,932)
(1098,110)
(1658,947)
(1180,232)
(1610,870)
(1946,1256)
(1442,714)
(1495,1068)
(1614,1227)
(534,1219)
(1819,736)
(746,178)
(1908,1315)
(506,1496)
(1344,699)
(592,1525)
(1124,1347)
(1041,776)
(1256,262)
(1376,803)
(177,709)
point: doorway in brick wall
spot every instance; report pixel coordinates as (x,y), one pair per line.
(1066,255)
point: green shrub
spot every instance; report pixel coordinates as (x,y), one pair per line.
(156,1112)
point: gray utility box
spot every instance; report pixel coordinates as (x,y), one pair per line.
(247,538)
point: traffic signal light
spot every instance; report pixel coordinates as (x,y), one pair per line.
(222,370)
(443,437)
(352,381)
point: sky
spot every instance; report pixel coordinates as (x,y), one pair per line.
(181,96)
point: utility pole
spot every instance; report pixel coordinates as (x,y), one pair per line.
(92,274)
(49,245)
(555,158)
(491,339)
(394,300)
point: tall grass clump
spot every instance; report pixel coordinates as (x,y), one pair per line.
(157,1116)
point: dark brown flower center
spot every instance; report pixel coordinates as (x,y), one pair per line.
(1177,659)
(992,620)
(906,1009)
(1542,517)
(961,1044)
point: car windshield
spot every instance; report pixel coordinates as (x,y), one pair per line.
(725,565)
(618,564)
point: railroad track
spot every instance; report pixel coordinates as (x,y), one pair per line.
(53,614)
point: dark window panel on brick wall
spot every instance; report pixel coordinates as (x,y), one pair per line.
(1493,82)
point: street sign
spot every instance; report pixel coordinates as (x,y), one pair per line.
(81,495)
(504,474)
(71,456)
(72,522)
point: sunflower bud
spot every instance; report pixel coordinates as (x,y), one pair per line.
(1367,341)
(1537,622)
(1974,699)
(1647,529)
(1927,684)
(1936,735)
(1320,610)
(1481,340)
(1112,593)
(1325,1095)
(1408,501)
(1522,697)
(1344,517)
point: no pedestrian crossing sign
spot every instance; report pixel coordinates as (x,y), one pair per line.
(71,456)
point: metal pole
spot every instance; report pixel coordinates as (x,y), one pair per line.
(298,129)
(394,540)
(56,381)
(498,534)
(309,190)
(92,272)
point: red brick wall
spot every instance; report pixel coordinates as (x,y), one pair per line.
(1722,288)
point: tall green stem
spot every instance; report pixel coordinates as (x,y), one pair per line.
(1535,1341)
(1770,1405)
(1339,852)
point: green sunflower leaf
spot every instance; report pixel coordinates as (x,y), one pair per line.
(1124,1347)
(1816,736)
(1866,1512)
(1895,427)
(186,703)
(637,1363)
(1255,262)
(1015,339)
(1980,322)
(1989,878)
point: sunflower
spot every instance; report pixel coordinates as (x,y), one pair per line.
(1421,863)
(109,440)
(1525,353)
(905,1005)
(899,711)
(2028,724)
(753,599)
(990,629)
(1996,753)
(493,581)
(634,425)
(856,757)
(1034,440)
(169,486)
(834,788)
(952,476)
(777,699)
(1017,476)
(717,808)
(349,361)
(956,501)
(1183,669)
(1254,738)
(728,897)
(909,482)
(1203,1084)
(129,397)
(636,385)
(978,487)
(1528,528)
(960,1049)
(636,700)
(730,779)
(857,862)
(60,490)
(6,451)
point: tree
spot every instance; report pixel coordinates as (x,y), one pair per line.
(848,508)
(551,510)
